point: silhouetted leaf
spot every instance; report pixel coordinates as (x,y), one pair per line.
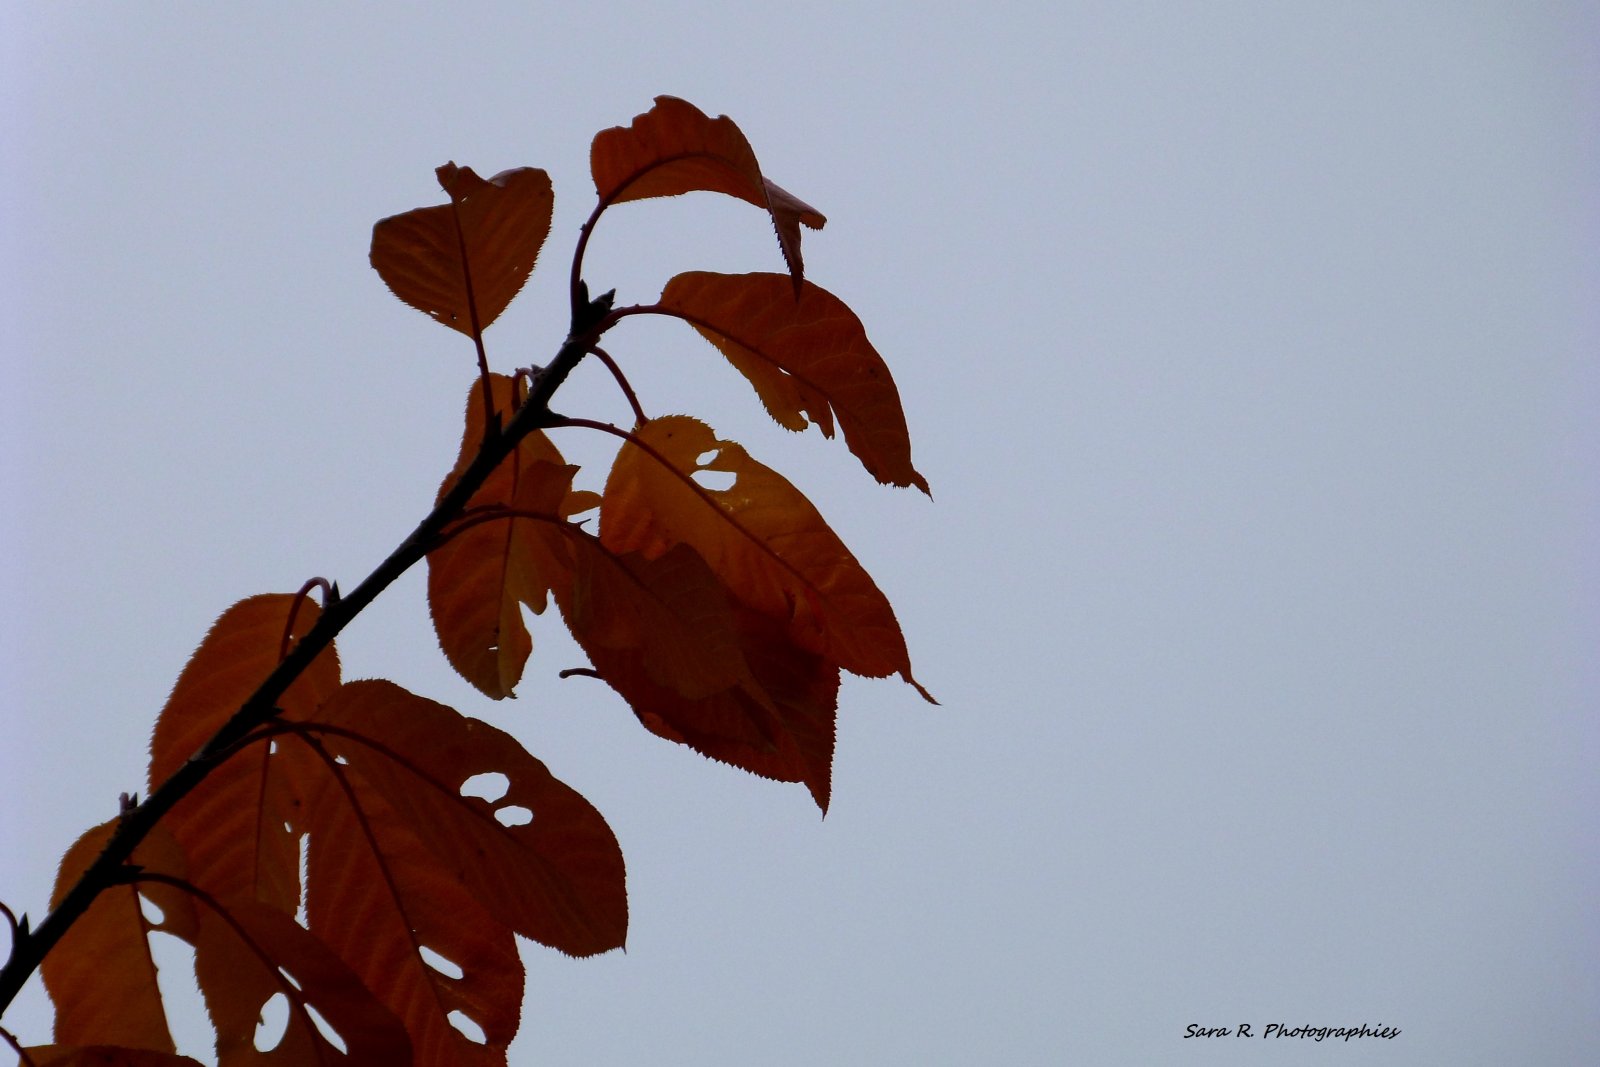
(675,148)
(464,261)
(807,359)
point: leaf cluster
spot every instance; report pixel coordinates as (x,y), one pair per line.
(366,856)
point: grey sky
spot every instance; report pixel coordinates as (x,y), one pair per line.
(1249,350)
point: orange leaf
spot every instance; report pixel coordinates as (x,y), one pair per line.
(464,261)
(807,359)
(101,976)
(377,897)
(480,576)
(104,1056)
(236,827)
(249,954)
(676,148)
(557,878)
(761,536)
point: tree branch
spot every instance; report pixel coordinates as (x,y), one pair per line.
(30,946)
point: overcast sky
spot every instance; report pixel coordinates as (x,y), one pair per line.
(1249,350)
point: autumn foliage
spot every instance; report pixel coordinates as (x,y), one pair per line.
(368,855)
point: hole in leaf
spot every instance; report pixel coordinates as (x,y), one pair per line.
(187,1017)
(273,1023)
(291,979)
(490,785)
(716,481)
(272,747)
(513,816)
(341,761)
(325,1030)
(447,967)
(469,1029)
(300,915)
(151,911)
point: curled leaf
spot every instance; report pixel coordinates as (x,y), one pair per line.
(676,148)
(808,359)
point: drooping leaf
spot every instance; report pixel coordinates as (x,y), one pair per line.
(676,148)
(556,878)
(104,1056)
(101,975)
(761,536)
(250,953)
(464,261)
(379,898)
(237,827)
(808,359)
(481,575)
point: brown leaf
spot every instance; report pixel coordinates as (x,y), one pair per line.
(676,148)
(237,827)
(377,897)
(780,725)
(101,976)
(807,359)
(481,575)
(104,1056)
(557,878)
(761,536)
(671,614)
(248,954)
(464,261)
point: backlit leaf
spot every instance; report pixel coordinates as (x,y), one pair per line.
(237,828)
(670,614)
(556,878)
(101,975)
(378,897)
(676,148)
(780,726)
(480,576)
(761,536)
(808,359)
(249,954)
(464,261)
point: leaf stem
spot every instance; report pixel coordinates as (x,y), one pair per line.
(639,418)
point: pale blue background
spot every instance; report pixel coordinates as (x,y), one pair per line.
(1250,350)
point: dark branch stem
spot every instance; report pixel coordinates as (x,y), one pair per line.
(30,946)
